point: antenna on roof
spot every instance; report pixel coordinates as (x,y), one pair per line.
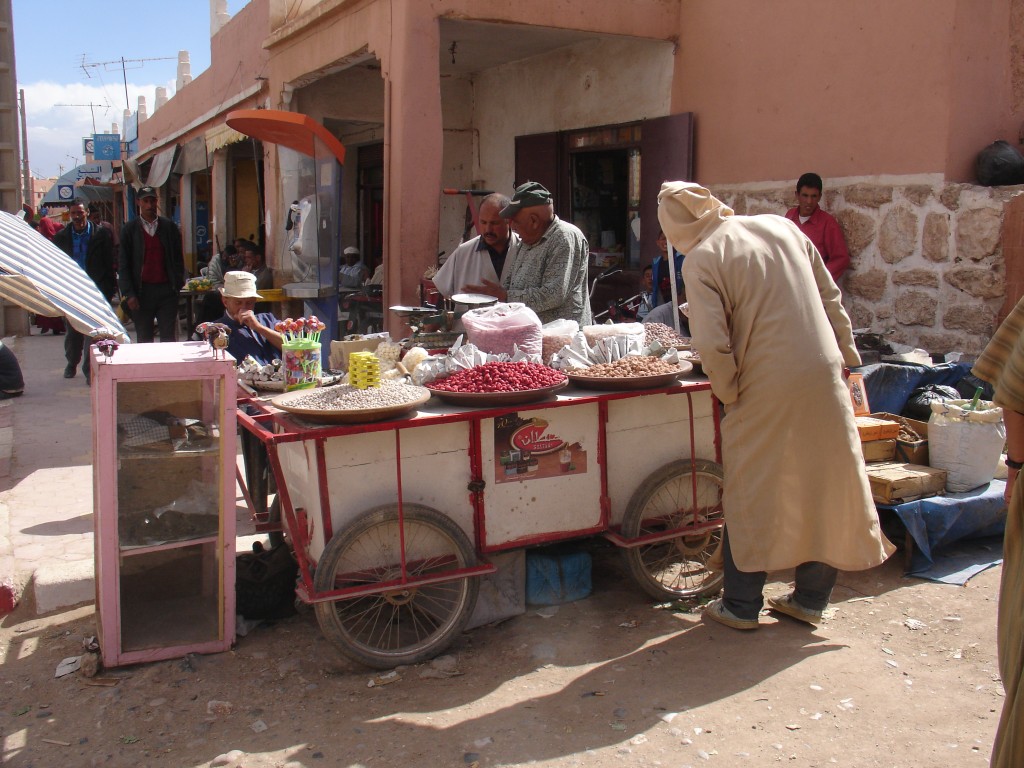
(110,66)
(91,110)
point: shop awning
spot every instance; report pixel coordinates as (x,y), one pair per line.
(69,185)
(37,275)
(160,168)
(192,157)
(289,129)
(221,136)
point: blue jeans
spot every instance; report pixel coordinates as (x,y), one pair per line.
(742,589)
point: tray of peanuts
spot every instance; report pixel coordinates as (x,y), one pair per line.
(633,372)
(346,404)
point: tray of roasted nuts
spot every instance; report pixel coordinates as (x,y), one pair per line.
(345,404)
(634,372)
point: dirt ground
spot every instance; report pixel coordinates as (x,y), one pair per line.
(611,680)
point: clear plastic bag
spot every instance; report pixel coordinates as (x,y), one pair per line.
(501,328)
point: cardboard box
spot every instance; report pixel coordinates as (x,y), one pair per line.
(871,428)
(341,350)
(858,395)
(909,451)
(879,450)
(895,482)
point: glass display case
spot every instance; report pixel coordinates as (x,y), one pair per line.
(163,484)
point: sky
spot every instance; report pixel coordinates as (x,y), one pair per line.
(53,39)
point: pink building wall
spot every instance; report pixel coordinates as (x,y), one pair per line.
(847,88)
(237,59)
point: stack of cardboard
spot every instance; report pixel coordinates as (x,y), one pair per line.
(896,454)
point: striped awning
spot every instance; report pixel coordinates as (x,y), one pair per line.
(39,276)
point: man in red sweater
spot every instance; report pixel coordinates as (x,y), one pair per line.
(821,228)
(151,270)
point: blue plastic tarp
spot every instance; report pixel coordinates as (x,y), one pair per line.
(938,521)
(889,385)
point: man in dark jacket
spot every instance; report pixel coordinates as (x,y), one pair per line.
(151,271)
(92,248)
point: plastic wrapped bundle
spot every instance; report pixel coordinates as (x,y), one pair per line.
(555,335)
(501,328)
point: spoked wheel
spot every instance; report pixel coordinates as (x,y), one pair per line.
(676,567)
(407,624)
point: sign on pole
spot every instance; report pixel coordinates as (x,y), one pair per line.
(107,146)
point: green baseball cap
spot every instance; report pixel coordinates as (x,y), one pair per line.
(526,195)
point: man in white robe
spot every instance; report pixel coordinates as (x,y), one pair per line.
(768,322)
(480,258)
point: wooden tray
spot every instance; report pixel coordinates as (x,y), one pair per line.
(498,398)
(629,382)
(346,416)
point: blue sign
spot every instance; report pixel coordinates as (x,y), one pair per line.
(66,192)
(106,146)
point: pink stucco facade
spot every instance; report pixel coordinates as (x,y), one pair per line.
(850,89)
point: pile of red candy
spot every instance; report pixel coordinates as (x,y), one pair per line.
(500,377)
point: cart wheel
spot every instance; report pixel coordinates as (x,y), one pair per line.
(676,567)
(405,625)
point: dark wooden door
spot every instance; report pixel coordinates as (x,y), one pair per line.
(666,154)
(539,157)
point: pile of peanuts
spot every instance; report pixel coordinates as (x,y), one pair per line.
(665,335)
(348,398)
(630,367)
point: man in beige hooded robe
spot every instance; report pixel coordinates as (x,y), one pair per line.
(768,322)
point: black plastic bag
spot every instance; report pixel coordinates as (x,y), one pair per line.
(919,405)
(265,582)
(969,384)
(998,164)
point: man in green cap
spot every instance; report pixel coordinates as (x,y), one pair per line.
(548,271)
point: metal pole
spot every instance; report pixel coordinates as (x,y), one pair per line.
(125,76)
(26,174)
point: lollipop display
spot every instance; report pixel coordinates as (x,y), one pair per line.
(301,351)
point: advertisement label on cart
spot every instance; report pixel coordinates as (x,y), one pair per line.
(532,448)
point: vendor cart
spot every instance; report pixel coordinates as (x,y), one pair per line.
(392,521)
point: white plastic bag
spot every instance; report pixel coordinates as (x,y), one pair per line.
(966,443)
(500,328)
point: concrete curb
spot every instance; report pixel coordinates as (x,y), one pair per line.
(63,585)
(12,586)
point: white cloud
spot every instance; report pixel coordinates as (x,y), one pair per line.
(55,132)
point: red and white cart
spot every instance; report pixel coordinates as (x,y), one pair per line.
(392,521)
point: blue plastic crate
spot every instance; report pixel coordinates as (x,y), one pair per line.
(554,577)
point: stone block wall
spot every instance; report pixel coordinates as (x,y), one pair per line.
(927,257)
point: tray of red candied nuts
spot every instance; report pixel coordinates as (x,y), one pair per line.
(499,383)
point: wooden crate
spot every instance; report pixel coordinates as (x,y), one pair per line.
(895,482)
(871,428)
(879,450)
(909,451)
